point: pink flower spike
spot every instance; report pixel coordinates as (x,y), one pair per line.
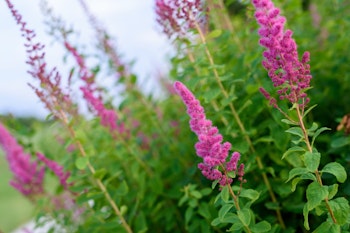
(210,146)
(56,169)
(178,17)
(289,75)
(232,164)
(108,117)
(50,91)
(28,177)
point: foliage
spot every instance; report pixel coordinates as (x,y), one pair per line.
(133,165)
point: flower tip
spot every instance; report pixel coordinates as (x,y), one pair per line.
(177,85)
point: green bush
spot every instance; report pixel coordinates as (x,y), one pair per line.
(132,166)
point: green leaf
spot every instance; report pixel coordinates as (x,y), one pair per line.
(215,222)
(112,177)
(100,173)
(206,191)
(193,203)
(133,79)
(295,181)
(123,209)
(80,136)
(227,101)
(193,81)
(312,161)
(188,215)
(315,194)
(196,194)
(226,77)
(141,223)
(262,226)
(211,94)
(215,33)
(204,211)
(309,109)
(340,142)
(335,169)
(306,217)
(341,209)
(327,227)
(307,176)
(296,131)
(95,195)
(183,200)
(224,210)
(251,194)
(332,190)
(318,132)
(297,172)
(312,129)
(122,189)
(49,116)
(213,185)
(245,216)
(237,227)
(244,106)
(231,218)
(292,150)
(288,122)
(225,193)
(81,162)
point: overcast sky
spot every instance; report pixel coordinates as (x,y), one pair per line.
(131,22)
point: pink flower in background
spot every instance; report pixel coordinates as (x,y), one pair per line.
(108,117)
(50,92)
(28,176)
(56,169)
(107,43)
(288,74)
(178,17)
(210,146)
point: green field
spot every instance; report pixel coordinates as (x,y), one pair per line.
(15,210)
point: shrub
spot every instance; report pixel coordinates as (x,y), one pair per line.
(131,167)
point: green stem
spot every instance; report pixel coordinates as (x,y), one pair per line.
(240,125)
(223,19)
(317,173)
(235,200)
(101,186)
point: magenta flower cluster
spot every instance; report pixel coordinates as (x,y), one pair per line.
(210,146)
(177,17)
(288,74)
(28,175)
(108,117)
(51,94)
(56,169)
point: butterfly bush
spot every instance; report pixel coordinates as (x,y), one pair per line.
(210,146)
(289,75)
